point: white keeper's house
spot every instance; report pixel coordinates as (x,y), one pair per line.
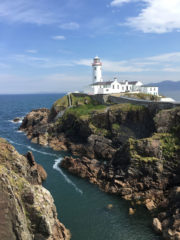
(109,87)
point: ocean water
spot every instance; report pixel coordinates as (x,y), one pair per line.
(173,94)
(81,206)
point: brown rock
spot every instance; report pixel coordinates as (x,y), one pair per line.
(30,159)
(177,236)
(109,206)
(132,211)
(157,225)
(150,205)
(42,172)
(17,119)
(27,210)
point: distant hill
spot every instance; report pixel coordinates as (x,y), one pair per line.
(167,85)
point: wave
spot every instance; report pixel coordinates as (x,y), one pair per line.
(18,122)
(56,167)
(12,142)
(19,131)
(11,121)
(44,153)
(31,148)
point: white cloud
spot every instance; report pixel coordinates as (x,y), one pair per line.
(119,2)
(172,70)
(113,66)
(40,62)
(59,37)
(56,83)
(36,12)
(168,57)
(70,26)
(160,63)
(169,62)
(33,51)
(156,16)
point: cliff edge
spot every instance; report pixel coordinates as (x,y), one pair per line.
(128,150)
(27,210)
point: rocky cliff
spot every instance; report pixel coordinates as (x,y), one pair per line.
(27,210)
(125,149)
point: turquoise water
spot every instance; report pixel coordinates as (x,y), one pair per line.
(81,206)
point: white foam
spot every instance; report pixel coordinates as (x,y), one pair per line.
(18,122)
(56,167)
(12,142)
(11,121)
(31,148)
(19,131)
(44,153)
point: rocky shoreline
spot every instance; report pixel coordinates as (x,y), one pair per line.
(127,150)
(27,210)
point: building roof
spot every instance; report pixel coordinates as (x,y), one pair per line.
(109,82)
(102,83)
(149,86)
(133,83)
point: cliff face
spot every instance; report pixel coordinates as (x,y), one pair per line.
(27,210)
(125,149)
(88,124)
(145,171)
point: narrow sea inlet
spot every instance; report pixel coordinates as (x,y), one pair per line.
(81,206)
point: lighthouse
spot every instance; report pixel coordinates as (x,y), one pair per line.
(97,72)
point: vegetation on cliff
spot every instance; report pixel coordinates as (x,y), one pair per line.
(142,96)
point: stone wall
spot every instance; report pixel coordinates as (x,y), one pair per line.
(105,98)
(150,104)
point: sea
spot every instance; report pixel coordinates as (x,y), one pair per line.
(81,206)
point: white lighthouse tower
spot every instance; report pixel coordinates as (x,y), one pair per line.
(97,72)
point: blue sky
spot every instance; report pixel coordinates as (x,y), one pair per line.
(48,45)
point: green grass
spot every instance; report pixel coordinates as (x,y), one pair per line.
(62,102)
(82,100)
(127,107)
(169,145)
(116,126)
(99,131)
(85,110)
(143,96)
(135,155)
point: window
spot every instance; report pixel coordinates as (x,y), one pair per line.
(154,89)
(113,86)
(150,89)
(118,86)
(123,88)
(94,77)
(94,68)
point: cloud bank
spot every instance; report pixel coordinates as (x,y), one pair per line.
(156,16)
(169,62)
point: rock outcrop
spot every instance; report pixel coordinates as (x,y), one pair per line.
(125,149)
(27,210)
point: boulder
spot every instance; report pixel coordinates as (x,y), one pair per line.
(157,225)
